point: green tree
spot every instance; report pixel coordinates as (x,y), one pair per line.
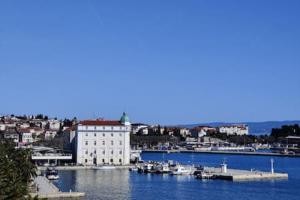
(16,171)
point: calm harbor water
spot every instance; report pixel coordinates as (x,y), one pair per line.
(122,184)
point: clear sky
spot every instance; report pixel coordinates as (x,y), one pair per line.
(162,61)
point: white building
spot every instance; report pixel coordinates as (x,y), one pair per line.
(12,136)
(54,124)
(26,138)
(50,134)
(100,142)
(234,130)
(184,132)
(201,131)
(137,127)
(2,127)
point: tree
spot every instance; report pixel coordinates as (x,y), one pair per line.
(16,171)
(39,116)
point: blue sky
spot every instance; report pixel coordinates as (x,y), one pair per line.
(169,62)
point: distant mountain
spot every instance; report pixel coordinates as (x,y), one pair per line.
(255,128)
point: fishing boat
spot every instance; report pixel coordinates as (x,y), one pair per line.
(134,169)
(162,168)
(204,175)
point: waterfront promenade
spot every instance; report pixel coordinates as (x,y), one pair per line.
(224,152)
(76,167)
(45,189)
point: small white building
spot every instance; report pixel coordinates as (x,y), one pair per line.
(103,142)
(234,130)
(24,125)
(54,124)
(2,127)
(201,131)
(12,136)
(26,138)
(137,127)
(184,132)
(50,134)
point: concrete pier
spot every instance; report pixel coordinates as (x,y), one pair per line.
(243,175)
(46,189)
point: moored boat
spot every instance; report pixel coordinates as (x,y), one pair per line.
(52,173)
(104,167)
(182,170)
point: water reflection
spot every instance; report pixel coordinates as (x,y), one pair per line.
(106,184)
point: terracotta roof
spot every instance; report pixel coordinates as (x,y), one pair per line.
(100,123)
(24,130)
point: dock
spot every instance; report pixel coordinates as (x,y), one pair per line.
(47,190)
(242,175)
(204,172)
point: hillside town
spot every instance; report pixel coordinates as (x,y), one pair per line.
(119,142)
(39,129)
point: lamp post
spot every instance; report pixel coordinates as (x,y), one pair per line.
(272,165)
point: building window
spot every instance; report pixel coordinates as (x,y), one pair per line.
(95,127)
(112,152)
(120,134)
(120,142)
(103,161)
(86,134)
(103,152)
(111,160)
(112,135)
(103,134)
(86,152)
(120,160)
(103,127)
(95,134)
(95,152)
(112,142)
(86,127)
(86,143)
(112,128)
(120,152)
(85,160)
(95,143)
(103,142)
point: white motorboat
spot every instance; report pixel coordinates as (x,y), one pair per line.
(104,167)
(52,173)
(182,170)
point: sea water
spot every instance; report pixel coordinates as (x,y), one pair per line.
(122,184)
